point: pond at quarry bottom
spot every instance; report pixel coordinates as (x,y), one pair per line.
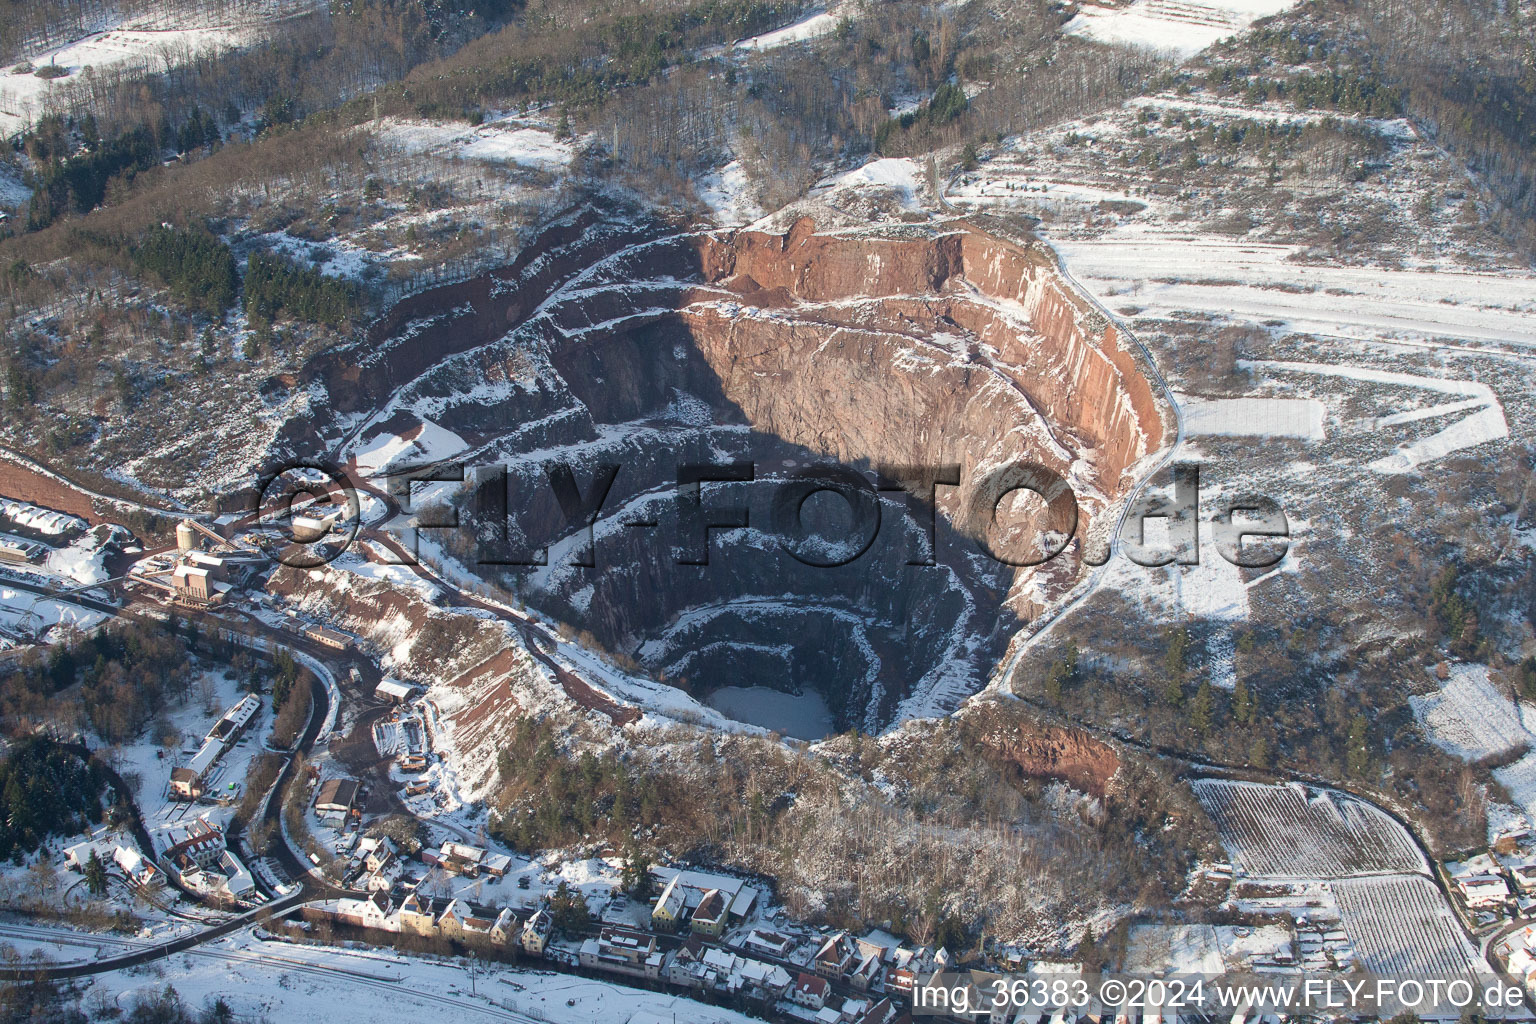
(805,717)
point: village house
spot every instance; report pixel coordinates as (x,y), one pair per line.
(376,851)
(671,905)
(470,861)
(186,784)
(868,974)
(709,917)
(836,957)
(881,1013)
(374,912)
(464,920)
(1523,870)
(459,859)
(809,991)
(768,943)
(1483,890)
(138,870)
(765,982)
(685,890)
(198,841)
(386,875)
(451,923)
(685,965)
(418,915)
(536,932)
(623,951)
(237,878)
(79,855)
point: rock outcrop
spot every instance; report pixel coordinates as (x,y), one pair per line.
(1070,755)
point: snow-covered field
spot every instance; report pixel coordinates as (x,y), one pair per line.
(1291,831)
(1254,417)
(1201,948)
(278,981)
(1179,27)
(1401,925)
(1468,718)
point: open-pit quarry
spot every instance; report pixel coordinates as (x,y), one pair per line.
(876,356)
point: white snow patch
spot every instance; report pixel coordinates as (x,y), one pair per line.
(813,27)
(728,193)
(1179,27)
(1254,417)
(431,444)
(1469,718)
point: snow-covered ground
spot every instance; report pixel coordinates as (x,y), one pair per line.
(514,141)
(426,443)
(1520,780)
(1178,27)
(1468,718)
(812,27)
(148,762)
(1474,418)
(728,193)
(22,611)
(1254,417)
(1202,948)
(901,175)
(279,981)
(13,193)
(1166,271)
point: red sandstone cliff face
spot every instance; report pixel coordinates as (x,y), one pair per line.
(958,348)
(1043,751)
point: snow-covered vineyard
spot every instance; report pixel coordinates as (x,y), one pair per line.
(1291,831)
(1401,925)
(1344,868)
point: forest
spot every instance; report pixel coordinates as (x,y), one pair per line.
(46,790)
